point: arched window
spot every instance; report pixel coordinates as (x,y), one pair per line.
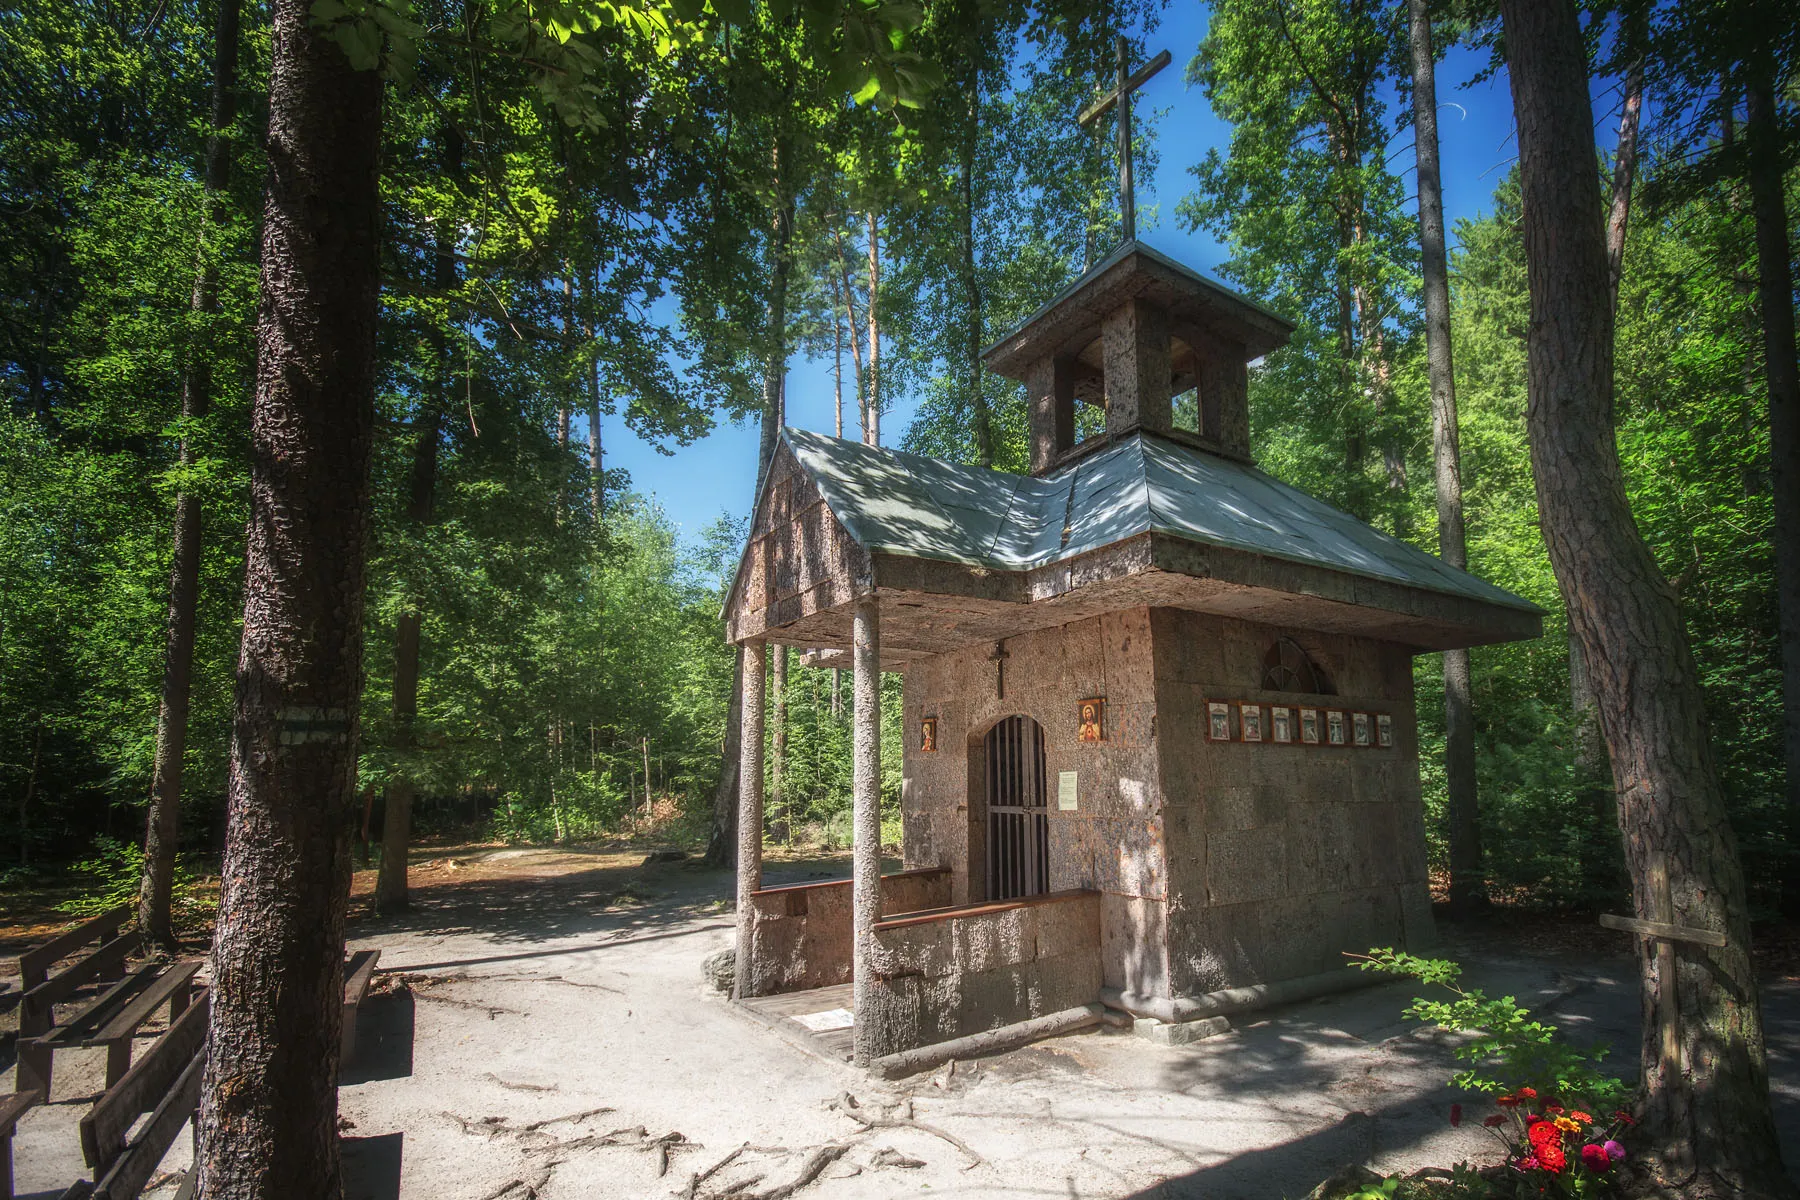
(1288,668)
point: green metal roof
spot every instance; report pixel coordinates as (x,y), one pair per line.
(919,507)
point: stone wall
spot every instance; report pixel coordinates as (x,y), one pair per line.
(947,975)
(1280,858)
(1111,841)
(1219,865)
(800,935)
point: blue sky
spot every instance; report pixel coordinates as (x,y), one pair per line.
(716,474)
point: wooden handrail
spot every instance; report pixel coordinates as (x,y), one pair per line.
(916,872)
(984,909)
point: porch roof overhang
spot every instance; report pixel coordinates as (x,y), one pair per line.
(959,555)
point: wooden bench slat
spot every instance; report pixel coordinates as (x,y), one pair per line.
(133,1168)
(103,1130)
(35,963)
(35,1006)
(358,973)
(76,1030)
(139,1009)
(1663,929)
(14,1105)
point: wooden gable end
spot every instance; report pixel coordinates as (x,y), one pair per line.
(799,561)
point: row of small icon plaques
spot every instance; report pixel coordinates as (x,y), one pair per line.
(1286,725)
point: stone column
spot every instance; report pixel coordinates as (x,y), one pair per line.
(866,822)
(1050,388)
(750,812)
(1135,343)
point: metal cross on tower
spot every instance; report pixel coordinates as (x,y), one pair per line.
(1123,86)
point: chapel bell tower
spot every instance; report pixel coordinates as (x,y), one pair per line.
(1132,337)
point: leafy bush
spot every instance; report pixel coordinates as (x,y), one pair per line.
(116,870)
(1509,1050)
(1543,1085)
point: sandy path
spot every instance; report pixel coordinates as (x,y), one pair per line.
(539,985)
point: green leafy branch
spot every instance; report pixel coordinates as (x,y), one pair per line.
(1508,1049)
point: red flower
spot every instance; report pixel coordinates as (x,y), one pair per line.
(1455,1115)
(1595,1158)
(1507,1101)
(1624,1116)
(1584,1118)
(1496,1120)
(1554,1110)
(1528,1093)
(1546,1144)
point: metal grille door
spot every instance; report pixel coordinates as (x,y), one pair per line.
(1018,820)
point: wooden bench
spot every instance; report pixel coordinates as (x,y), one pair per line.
(165,1083)
(12,1107)
(359,972)
(112,1018)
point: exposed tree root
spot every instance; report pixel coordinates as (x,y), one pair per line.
(847,1105)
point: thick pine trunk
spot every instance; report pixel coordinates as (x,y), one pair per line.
(268,1111)
(1709,1122)
(1462,816)
(1775,299)
(162,833)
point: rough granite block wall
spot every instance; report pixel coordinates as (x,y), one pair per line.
(800,935)
(1280,858)
(1112,841)
(953,975)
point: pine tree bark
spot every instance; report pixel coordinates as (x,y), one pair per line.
(1709,1122)
(396,822)
(1775,299)
(162,833)
(268,1110)
(1462,816)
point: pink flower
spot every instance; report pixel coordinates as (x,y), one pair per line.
(1613,1150)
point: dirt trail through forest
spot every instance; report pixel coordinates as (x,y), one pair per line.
(541,1029)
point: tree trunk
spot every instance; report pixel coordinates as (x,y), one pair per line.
(1602,866)
(980,418)
(848,296)
(1708,1117)
(721,844)
(778,729)
(873,424)
(268,1109)
(1462,814)
(396,822)
(162,833)
(837,371)
(781,231)
(1775,297)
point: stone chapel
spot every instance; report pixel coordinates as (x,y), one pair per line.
(1160,749)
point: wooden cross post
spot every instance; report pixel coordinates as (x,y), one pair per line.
(998,658)
(1123,86)
(1662,930)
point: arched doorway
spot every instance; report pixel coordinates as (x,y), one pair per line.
(1018,824)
